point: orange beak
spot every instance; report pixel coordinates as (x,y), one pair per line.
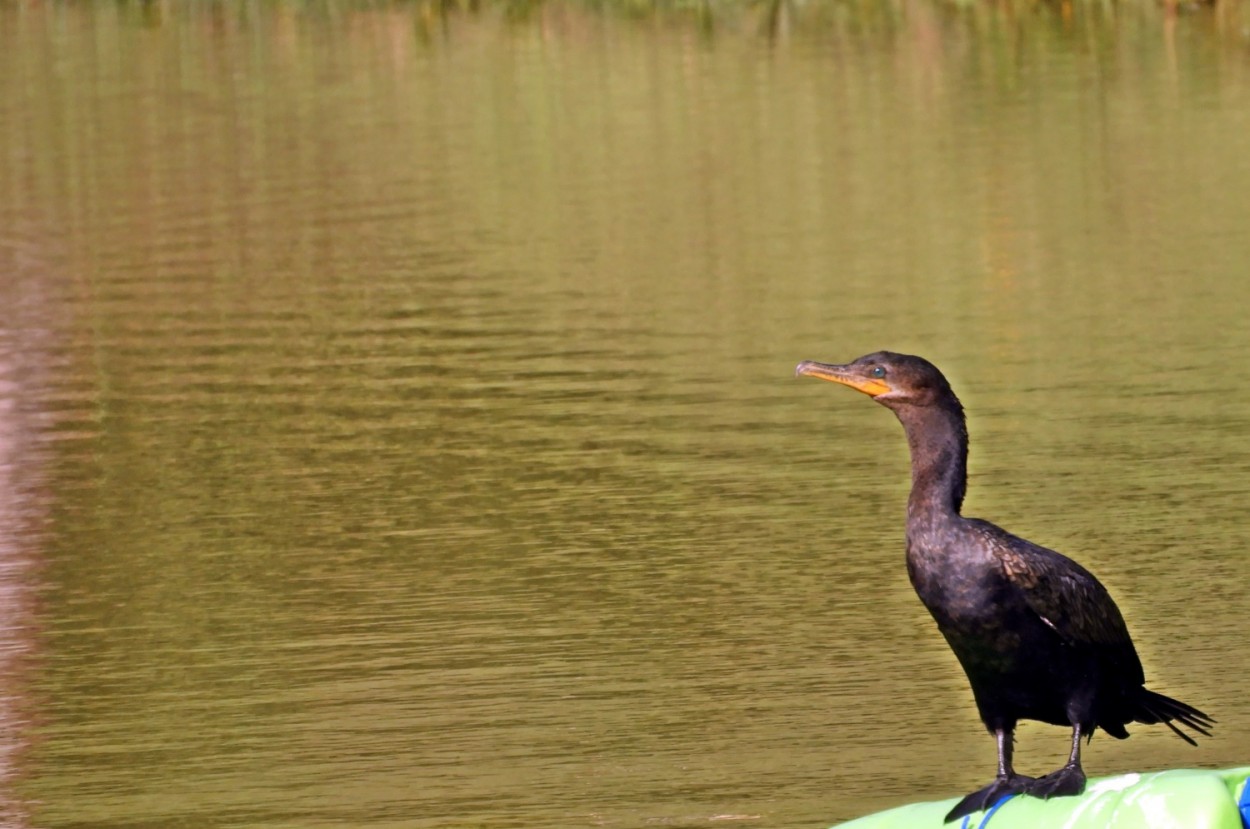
(870,386)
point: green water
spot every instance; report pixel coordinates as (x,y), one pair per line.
(397,421)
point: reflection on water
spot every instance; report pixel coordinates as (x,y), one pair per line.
(30,413)
(22,528)
(397,425)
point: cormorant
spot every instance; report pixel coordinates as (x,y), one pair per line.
(1038,636)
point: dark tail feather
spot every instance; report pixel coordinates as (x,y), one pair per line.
(1155,708)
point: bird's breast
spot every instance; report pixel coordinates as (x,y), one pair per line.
(963,586)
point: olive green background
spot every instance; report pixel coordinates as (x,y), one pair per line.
(397,421)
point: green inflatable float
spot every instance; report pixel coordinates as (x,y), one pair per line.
(1175,799)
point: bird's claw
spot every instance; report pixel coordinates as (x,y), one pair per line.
(1069,780)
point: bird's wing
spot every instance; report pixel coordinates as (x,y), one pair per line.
(1062,593)
(1070,600)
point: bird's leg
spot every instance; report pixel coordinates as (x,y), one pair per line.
(1006,742)
(1068,780)
(1006,783)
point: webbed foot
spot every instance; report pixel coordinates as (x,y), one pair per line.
(1065,782)
(985,798)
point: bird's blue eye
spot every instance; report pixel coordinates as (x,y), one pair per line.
(879,371)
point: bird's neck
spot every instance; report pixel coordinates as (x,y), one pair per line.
(938,440)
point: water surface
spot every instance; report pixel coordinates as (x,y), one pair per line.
(397,422)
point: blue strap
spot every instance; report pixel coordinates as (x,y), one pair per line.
(985,820)
(967,824)
(1243,803)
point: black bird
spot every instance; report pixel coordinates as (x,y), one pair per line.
(1038,636)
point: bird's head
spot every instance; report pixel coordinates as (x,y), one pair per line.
(893,380)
